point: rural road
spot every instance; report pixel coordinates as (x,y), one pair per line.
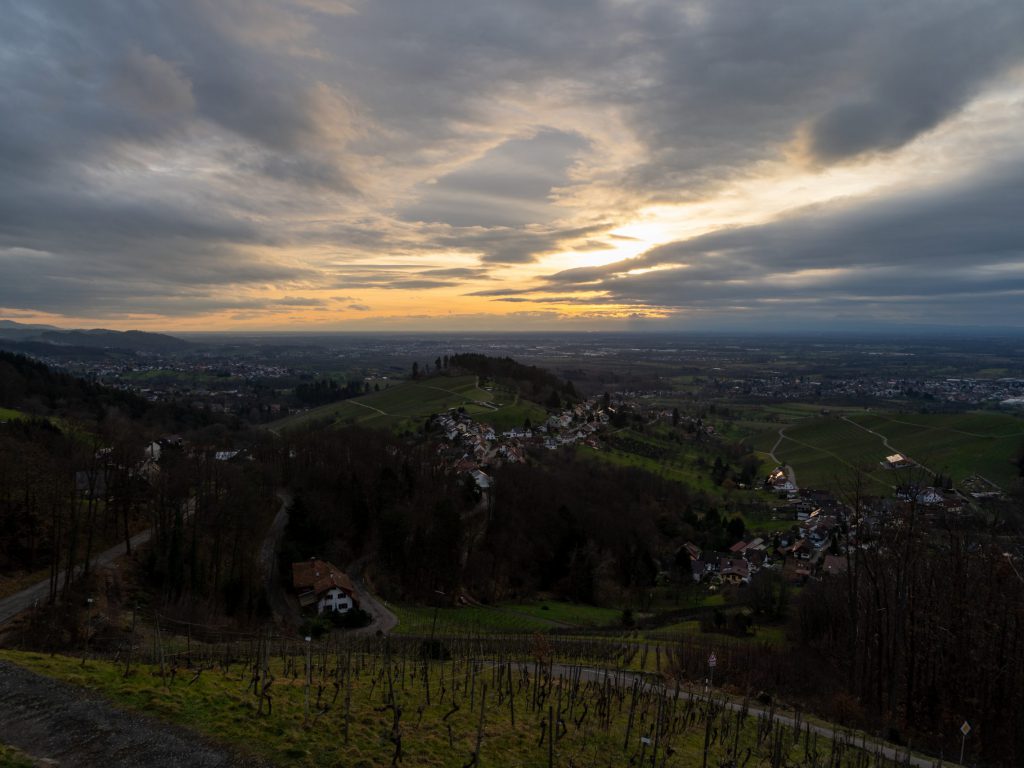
(790,472)
(14,604)
(283,610)
(383,620)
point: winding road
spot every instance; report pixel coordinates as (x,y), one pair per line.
(12,605)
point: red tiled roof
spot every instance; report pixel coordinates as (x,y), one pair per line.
(319,576)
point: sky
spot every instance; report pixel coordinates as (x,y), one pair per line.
(512,164)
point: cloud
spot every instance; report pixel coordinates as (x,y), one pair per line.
(511,185)
(905,255)
(179,155)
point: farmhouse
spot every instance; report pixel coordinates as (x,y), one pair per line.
(897,461)
(780,481)
(326,586)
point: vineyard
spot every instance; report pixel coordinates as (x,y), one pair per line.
(483,700)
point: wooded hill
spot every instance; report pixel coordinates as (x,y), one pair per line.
(532,382)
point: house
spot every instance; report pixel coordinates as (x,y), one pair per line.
(780,482)
(482,479)
(734,570)
(930,496)
(324,585)
(896,461)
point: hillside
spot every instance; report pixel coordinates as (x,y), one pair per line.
(406,406)
(34,387)
(57,342)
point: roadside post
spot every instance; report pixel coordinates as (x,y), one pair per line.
(964,730)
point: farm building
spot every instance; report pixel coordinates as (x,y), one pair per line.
(897,461)
(326,586)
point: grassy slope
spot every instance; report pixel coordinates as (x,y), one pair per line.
(218,706)
(6,414)
(407,405)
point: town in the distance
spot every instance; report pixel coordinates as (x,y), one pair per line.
(576,549)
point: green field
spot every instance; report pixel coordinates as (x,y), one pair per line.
(960,445)
(406,406)
(825,451)
(7,414)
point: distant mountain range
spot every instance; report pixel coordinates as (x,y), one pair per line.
(48,339)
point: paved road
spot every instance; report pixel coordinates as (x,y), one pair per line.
(14,604)
(383,619)
(284,610)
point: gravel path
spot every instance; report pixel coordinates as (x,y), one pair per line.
(73,728)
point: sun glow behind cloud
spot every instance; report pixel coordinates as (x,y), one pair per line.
(282,165)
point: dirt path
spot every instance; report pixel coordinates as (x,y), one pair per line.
(355,401)
(790,472)
(73,728)
(885,441)
(782,436)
